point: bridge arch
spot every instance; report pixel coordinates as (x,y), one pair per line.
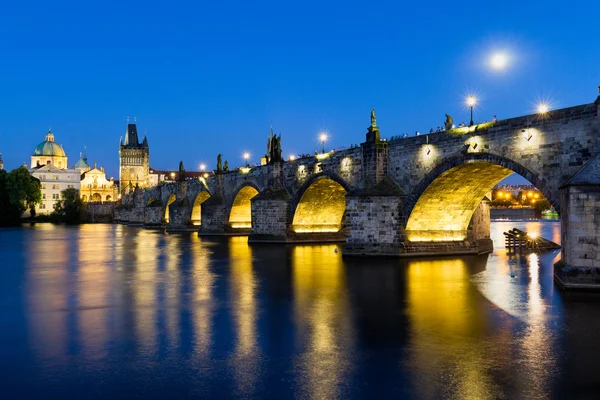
(319,205)
(170,200)
(196,211)
(441,205)
(240,214)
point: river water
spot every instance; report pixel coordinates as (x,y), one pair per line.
(109,311)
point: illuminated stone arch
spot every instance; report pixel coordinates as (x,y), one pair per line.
(96,197)
(320,205)
(196,216)
(240,216)
(441,206)
(170,201)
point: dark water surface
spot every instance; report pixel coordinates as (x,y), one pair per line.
(108,311)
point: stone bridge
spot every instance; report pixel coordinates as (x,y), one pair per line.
(407,196)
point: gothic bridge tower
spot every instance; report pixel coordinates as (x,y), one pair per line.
(134,160)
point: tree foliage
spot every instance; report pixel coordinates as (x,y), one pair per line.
(18,191)
(70,208)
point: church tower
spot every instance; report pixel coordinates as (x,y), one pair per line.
(134,159)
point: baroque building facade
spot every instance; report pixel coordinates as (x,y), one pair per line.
(134,161)
(49,165)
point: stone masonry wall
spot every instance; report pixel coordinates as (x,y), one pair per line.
(373,225)
(100,212)
(581,226)
(270,219)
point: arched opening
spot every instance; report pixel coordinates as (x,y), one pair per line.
(241,211)
(172,198)
(197,208)
(445,208)
(108,198)
(321,208)
(84,198)
(96,197)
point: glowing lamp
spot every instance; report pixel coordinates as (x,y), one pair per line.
(543,108)
(202,167)
(292,157)
(471,101)
(532,235)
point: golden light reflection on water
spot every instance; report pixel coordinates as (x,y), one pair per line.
(243,287)
(445,328)
(93,288)
(323,317)
(203,303)
(48,291)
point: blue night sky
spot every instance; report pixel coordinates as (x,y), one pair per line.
(209,77)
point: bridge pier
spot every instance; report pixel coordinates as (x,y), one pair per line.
(374,220)
(214,216)
(579,267)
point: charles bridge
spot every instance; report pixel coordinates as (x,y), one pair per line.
(421,195)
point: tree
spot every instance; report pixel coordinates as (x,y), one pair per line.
(18,191)
(70,208)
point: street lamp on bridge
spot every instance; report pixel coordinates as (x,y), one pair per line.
(543,108)
(471,101)
(323,138)
(247,157)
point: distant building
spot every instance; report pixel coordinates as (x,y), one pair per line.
(82,164)
(95,187)
(49,152)
(134,160)
(49,165)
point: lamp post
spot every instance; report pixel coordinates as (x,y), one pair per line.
(247,157)
(543,108)
(323,138)
(471,101)
(202,167)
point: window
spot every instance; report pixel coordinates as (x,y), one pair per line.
(42,206)
(69,177)
(43,196)
(54,186)
(55,177)
(43,186)
(54,196)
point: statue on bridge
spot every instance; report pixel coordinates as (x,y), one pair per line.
(373,118)
(226,166)
(181,176)
(219,162)
(449,122)
(273,148)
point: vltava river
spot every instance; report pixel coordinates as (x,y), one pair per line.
(108,311)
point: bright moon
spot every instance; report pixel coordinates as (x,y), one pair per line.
(499,61)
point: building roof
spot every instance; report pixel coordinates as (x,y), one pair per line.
(82,163)
(49,147)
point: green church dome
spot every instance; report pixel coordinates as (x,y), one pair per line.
(49,147)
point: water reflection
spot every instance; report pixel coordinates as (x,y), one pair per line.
(323,318)
(161,315)
(244,309)
(446,331)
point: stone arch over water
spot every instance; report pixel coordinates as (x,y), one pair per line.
(240,216)
(441,206)
(196,216)
(170,201)
(321,206)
